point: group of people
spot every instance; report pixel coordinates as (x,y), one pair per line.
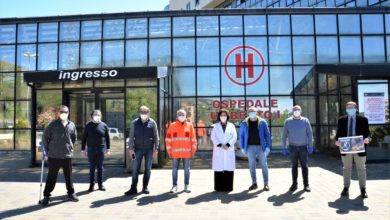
(181,144)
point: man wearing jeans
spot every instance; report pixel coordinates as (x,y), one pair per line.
(181,145)
(298,131)
(143,143)
(255,141)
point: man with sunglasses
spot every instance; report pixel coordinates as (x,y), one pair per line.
(59,138)
(143,143)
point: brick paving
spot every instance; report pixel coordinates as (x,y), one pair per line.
(20,190)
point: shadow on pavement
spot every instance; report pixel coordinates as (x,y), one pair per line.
(287,197)
(57,200)
(146,200)
(225,198)
(344,205)
(112,200)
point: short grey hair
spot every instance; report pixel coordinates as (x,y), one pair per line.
(61,107)
(352,103)
(144,108)
(297,107)
(182,111)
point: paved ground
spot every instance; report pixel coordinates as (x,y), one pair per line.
(20,190)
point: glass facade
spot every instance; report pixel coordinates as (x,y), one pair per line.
(218,60)
(302,3)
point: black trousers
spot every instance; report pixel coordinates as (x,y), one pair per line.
(51,180)
(299,153)
(223,181)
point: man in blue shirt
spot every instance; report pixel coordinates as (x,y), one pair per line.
(298,131)
(255,141)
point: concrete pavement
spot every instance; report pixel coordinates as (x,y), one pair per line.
(20,191)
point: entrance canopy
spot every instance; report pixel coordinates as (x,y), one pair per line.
(362,70)
(94,74)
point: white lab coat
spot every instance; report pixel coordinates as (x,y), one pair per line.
(224,159)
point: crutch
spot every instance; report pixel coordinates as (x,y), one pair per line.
(42,169)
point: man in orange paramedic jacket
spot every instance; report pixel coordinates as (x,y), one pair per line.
(181,144)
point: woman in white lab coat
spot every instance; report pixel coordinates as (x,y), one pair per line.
(223,136)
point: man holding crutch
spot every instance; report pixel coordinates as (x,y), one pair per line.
(59,138)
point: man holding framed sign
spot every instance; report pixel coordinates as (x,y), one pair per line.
(351,137)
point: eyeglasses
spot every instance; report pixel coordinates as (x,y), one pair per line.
(63,112)
(144,113)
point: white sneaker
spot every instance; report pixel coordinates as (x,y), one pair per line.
(174,189)
(187,189)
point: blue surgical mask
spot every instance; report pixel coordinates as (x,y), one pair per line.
(252,114)
(351,111)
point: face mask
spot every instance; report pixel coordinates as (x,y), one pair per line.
(144,117)
(351,111)
(223,119)
(297,113)
(252,114)
(96,118)
(181,118)
(63,116)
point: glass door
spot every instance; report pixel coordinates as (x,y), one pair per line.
(81,105)
(373,96)
(112,105)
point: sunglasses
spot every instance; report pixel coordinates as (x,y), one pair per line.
(62,112)
(144,113)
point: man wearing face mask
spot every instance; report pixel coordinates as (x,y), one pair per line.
(96,136)
(349,125)
(181,144)
(298,131)
(59,138)
(143,143)
(255,141)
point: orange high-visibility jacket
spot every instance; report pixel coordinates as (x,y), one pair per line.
(180,141)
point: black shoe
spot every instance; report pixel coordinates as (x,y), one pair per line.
(73,197)
(145,191)
(293,187)
(363,193)
(253,187)
(345,192)
(102,188)
(91,187)
(266,187)
(307,188)
(45,201)
(132,191)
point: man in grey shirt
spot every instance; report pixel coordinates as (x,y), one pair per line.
(58,139)
(298,131)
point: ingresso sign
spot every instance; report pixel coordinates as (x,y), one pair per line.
(90,74)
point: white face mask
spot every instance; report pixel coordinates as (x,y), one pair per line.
(297,113)
(63,116)
(143,117)
(223,119)
(252,114)
(96,118)
(181,118)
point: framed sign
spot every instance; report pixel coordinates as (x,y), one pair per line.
(374,107)
(352,145)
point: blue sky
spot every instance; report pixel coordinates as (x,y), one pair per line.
(34,8)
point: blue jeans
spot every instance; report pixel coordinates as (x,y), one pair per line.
(299,153)
(253,151)
(95,159)
(175,168)
(139,154)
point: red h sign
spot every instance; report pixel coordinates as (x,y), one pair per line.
(248,64)
(240,65)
